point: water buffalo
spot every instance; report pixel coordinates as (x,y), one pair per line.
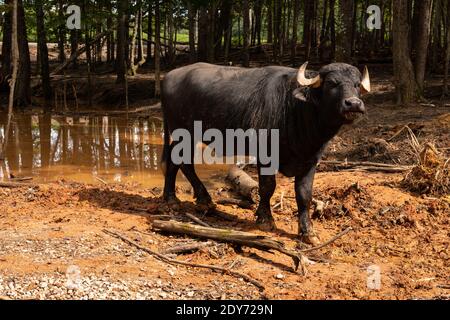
(308,108)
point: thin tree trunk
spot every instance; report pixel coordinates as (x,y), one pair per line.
(61,33)
(245,14)
(202,34)
(447,51)
(23,89)
(192,12)
(345,35)
(43,52)
(170,33)
(140,54)
(121,42)
(157,50)
(269,21)
(6,46)
(405,81)
(15,69)
(294,31)
(74,46)
(149,31)
(422,41)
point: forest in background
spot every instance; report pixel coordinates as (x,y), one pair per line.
(412,35)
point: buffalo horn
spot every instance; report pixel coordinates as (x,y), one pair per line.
(303,81)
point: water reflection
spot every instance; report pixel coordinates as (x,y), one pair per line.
(79,148)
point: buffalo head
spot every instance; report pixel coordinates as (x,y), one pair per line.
(337,90)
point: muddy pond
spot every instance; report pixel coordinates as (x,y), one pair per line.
(87,149)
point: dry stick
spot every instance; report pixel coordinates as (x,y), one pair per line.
(368,166)
(113,112)
(101,180)
(195,219)
(339,235)
(238,237)
(184,263)
(188,247)
(361,163)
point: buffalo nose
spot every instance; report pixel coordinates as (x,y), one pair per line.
(354,105)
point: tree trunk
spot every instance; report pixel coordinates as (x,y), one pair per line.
(192,12)
(74,46)
(333,29)
(210,36)
(447,51)
(276,29)
(258,20)
(422,40)
(405,81)
(6,48)
(121,42)
(157,50)
(294,31)
(307,26)
(344,45)
(170,33)
(245,14)
(23,89)
(269,21)
(202,34)
(438,7)
(43,52)
(61,33)
(140,54)
(149,31)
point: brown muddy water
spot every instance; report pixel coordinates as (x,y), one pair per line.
(83,149)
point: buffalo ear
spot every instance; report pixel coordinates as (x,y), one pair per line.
(365,82)
(299,94)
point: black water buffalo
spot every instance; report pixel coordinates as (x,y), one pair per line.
(308,108)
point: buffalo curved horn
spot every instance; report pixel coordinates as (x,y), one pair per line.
(365,82)
(303,81)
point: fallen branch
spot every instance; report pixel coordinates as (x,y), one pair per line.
(195,219)
(6,184)
(163,258)
(112,113)
(339,235)
(188,247)
(369,166)
(80,51)
(244,204)
(101,180)
(243,183)
(238,237)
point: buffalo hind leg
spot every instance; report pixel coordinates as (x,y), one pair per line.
(170,175)
(200,193)
(267,184)
(303,195)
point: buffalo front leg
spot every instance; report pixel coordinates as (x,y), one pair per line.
(303,195)
(267,186)
(170,176)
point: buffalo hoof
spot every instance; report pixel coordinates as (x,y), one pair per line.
(310,238)
(205,206)
(266,223)
(171,200)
